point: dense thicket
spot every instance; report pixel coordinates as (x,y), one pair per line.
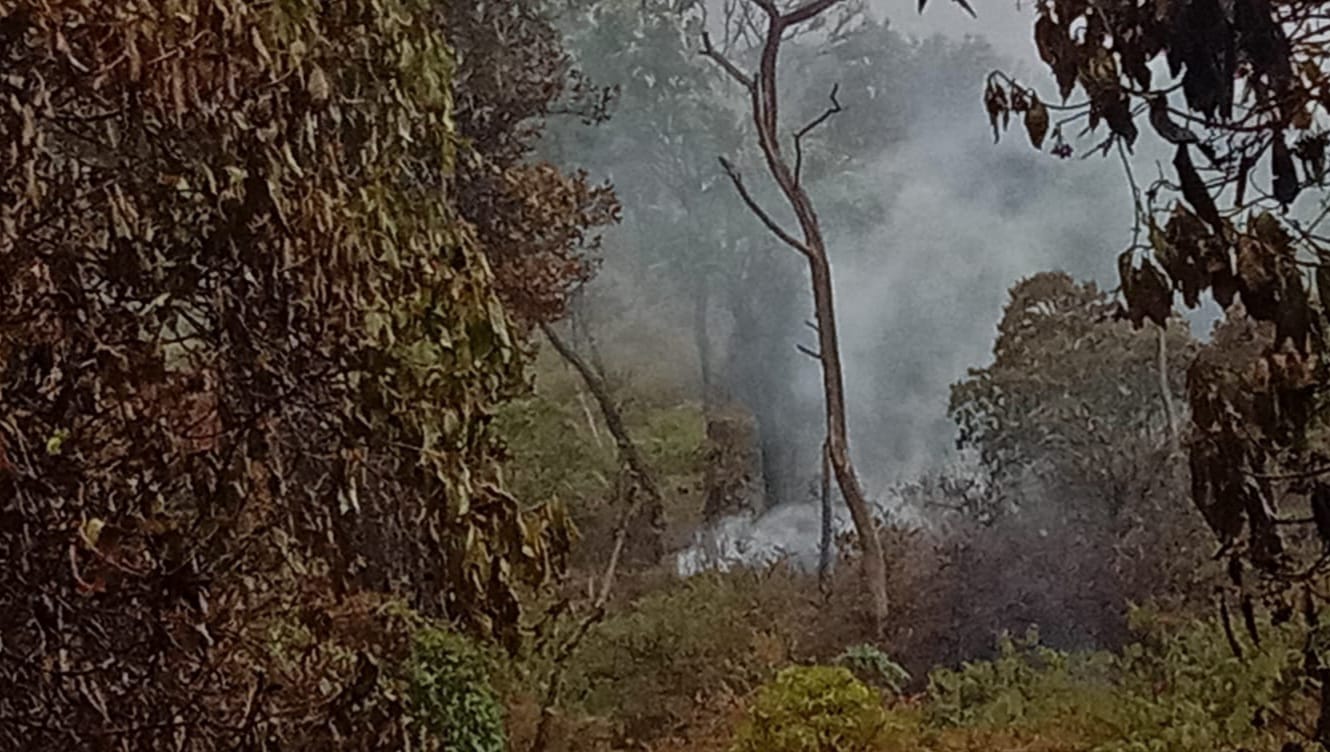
(249,348)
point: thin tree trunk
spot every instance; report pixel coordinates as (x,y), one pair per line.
(1166,391)
(762,91)
(628,452)
(590,419)
(838,444)
(570,646)
(824,545)
(702,340)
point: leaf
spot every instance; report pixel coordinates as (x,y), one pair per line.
(1194,190)
(1286,186)
(91,531)
(56,442)
(318,87)
(1036,122)
(995,102)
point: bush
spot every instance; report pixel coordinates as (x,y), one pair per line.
(451,695)
(874,667)
(1179,689)
(649,668)
(813,709)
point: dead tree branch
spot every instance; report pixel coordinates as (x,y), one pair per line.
(729,67)
(597,613)
(825,542)
(757,209)
(835,108)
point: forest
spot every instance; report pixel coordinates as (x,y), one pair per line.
(664,375)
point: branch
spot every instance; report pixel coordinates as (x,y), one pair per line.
(1300,475)
(744,79)
(799,137)
(809,352)
(761,213)
(799,15)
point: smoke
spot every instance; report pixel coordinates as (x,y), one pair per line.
(921,287)
(920,294)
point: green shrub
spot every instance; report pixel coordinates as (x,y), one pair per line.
(813,709)
(874,667)
(1179,689)
(651,666)
(1026,683)
(450,692)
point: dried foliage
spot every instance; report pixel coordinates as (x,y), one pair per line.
(535,224)
(1246,115)
(249,349)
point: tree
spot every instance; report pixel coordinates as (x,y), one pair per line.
(1079,506)
(249,352)
(1072,397)
(1248,139)
(762,89)
(538,226)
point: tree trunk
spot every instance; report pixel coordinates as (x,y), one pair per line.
(838,444)
(628,452)
(762,91)
(702,340)
(824,548)
(1165,390)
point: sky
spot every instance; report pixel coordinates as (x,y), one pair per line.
(1004,23)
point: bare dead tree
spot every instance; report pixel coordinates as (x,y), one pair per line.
(809,242)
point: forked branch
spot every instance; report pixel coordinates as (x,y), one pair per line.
(804,131)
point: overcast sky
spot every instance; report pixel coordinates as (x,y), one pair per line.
(1007,26)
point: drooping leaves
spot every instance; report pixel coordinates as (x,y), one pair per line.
(1145,289)
(1194,190)
(1036,122)
(1285,184)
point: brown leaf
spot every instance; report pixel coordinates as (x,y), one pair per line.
(1286,186)
(319,89)
(1194,190)
(995,102)
(1036,122)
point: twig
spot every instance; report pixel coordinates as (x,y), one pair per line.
(819,120)
(1299,475)
(569,647)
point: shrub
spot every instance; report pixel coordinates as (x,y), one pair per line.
(813,709)
(650,667)
(451,695)
(1178,689)
(874,667)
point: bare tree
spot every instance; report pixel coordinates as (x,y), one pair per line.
(809,242)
